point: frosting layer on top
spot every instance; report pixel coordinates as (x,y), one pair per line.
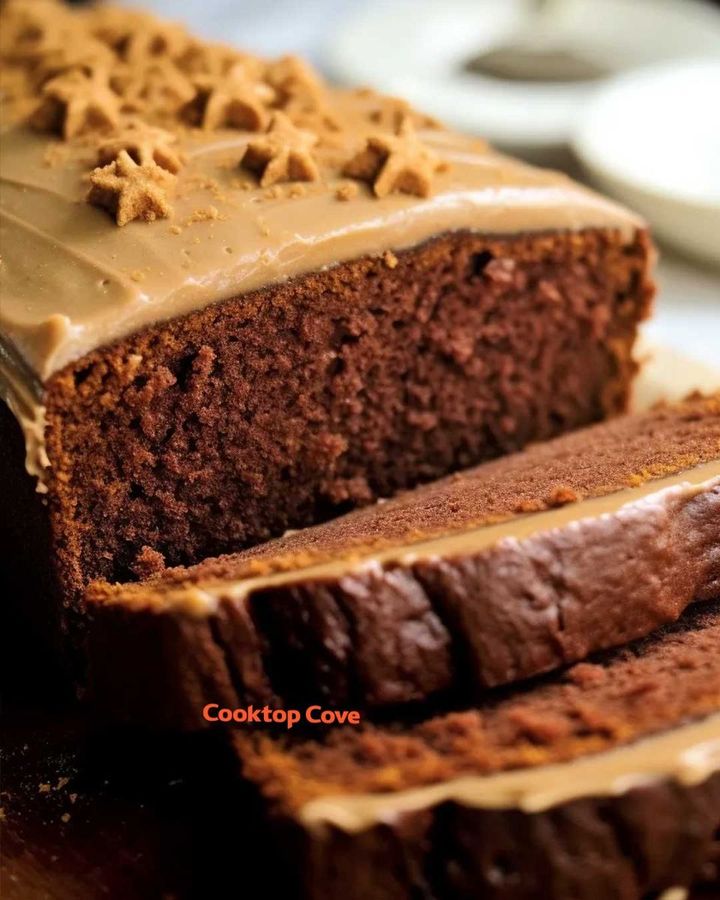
(312,191)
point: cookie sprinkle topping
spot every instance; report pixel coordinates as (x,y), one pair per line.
(396,164)
(130,190)
(141,98)
(282,154)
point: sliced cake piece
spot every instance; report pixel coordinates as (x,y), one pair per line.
(236,300)
(600,784)
(484,578)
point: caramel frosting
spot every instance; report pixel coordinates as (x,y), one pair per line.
(145,175)
(688,754)
(72,281)
(203,598)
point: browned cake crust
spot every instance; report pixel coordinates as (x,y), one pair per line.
(379,630)
(378,378)
(627,845)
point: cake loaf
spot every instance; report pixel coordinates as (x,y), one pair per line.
(490,576)
(237,301)
(600,784)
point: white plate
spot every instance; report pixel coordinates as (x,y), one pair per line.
(417,48)
(652,138)
(668,376)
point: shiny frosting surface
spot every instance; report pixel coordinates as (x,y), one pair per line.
(225,222)
(71,280)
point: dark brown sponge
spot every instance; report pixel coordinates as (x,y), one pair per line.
(290,405)
(627,846)
(378,631)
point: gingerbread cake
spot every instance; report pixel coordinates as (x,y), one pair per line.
(237,300)
(487,577)
(602,782)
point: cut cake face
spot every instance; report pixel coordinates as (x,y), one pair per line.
(447,590)
(603,781)
(237,300)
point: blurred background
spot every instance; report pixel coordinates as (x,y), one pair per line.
(624,94)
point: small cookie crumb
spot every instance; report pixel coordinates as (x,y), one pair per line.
(203,214)
(346,191)
(562,495)
(390,259)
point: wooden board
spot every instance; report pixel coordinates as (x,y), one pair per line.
(90,816)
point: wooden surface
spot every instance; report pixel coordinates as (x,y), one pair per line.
(119,816)
(88,817)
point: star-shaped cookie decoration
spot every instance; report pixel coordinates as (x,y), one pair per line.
(130,191)
(216,60)
(137,36)
(301,94)
(76,102)
(398,163)
(84,53)
(144,144)
(290,76)
(155,87)
(31,30)
(283,153)
(390,113)
(234,100)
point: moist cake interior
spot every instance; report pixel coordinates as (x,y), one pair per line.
(651,686)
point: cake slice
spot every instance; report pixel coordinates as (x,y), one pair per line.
(601,783)
(237,300)
(488,577)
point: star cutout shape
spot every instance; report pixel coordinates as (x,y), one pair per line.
(216,60)
(398,163)
(283,153)
(144,144)
(130,190)
(235,100)
(32,30)
(135,36)
(82,53)
(77,101)
(291,75)
(300,94)
(156,87)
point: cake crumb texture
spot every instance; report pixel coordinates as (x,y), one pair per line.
(652,685)
(213,443)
